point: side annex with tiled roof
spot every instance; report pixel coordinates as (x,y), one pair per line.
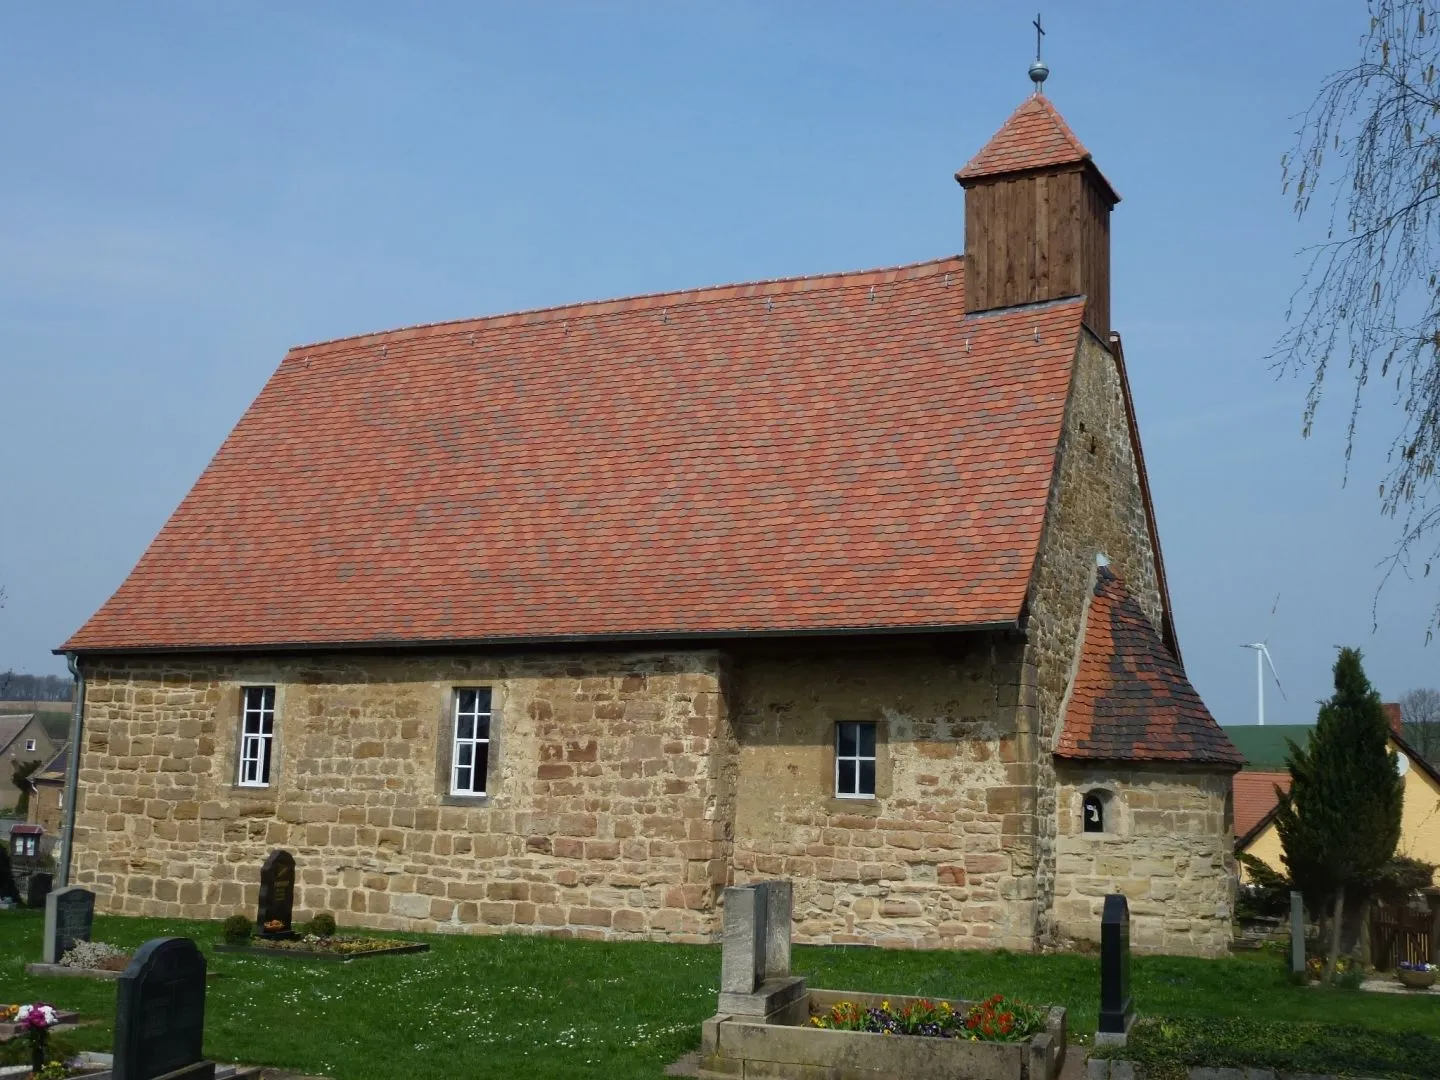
(560,621)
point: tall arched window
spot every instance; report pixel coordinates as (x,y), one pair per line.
(1092,812)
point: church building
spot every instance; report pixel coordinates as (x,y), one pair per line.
(560,621)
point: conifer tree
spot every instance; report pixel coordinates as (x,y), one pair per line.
(1340,820)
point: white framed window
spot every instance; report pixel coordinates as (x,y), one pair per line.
(257,735)
(855,760)
(470,754)
(29,744)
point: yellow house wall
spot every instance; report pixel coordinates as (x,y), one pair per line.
(1419,824)
(1420,820)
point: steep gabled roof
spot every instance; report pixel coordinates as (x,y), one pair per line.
(823,454)
(1255,801)
(1130,699)
(11,725)
(1035,137)
(54,769)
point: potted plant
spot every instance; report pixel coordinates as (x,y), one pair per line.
(1415,976)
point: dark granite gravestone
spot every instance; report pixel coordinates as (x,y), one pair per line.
(37,889)
(160,1014)
(1117,1012)
(8,891)
(69,914)
(277,894)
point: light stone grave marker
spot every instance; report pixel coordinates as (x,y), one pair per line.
(755,977)
(1297,933)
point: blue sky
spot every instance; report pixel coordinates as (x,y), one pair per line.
(188,189)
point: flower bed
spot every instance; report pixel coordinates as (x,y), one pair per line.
(333,947)
(871,1035)
(996,1019)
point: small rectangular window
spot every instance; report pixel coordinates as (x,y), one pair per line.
(470,758)
(257,735)
(855,760)
(29,744)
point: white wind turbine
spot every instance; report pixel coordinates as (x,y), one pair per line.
(1262,657)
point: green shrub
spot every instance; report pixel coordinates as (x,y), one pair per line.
(322,925)
(238,929)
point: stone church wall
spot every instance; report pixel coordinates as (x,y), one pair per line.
(1166,846)
(609,812)
(943,856)
(1096,506)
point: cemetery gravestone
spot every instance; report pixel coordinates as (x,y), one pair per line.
(160,1014)
(277,895)
(8,891)
(37,889)
(69,915)
(1297,933)
(1117,1012)
(742,951)
(755,977)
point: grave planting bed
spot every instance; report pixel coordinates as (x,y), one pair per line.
(736,1045)
(300,949)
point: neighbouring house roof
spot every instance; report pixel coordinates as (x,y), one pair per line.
(53,771)
(1266,750)
(828,454)
(1268,747)
(1130,699)
(1035,137)
(11,725)
(1255,801)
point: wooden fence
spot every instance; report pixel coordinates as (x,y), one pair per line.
(1399,934)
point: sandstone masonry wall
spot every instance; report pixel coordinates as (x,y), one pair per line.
(943,856)
(1167,847)
(607,814)
(1096,506)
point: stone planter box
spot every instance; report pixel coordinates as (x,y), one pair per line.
(746,1046)
(317,954)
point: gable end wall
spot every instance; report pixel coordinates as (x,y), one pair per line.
(1097,505)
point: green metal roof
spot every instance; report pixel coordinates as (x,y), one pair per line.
(1265,747)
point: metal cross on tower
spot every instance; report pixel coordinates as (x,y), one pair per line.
(1038,71)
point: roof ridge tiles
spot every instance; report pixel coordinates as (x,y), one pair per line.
(763,287)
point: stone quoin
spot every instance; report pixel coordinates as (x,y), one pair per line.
(566,620)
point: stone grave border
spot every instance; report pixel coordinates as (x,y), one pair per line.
(67,972)
(762,1028)
(66,1019)
(315,954)
(1117,1069)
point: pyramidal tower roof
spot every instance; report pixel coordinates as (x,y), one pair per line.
(1035,137)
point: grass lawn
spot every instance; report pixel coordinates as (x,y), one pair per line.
(538,1007)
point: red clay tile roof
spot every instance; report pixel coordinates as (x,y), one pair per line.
(1395,716)
(829,453)
(1131,699)
(1035,137)
(1255,798)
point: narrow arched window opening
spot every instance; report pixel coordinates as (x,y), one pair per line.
(1093,812)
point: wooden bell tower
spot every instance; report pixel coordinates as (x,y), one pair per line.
(1037,218)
